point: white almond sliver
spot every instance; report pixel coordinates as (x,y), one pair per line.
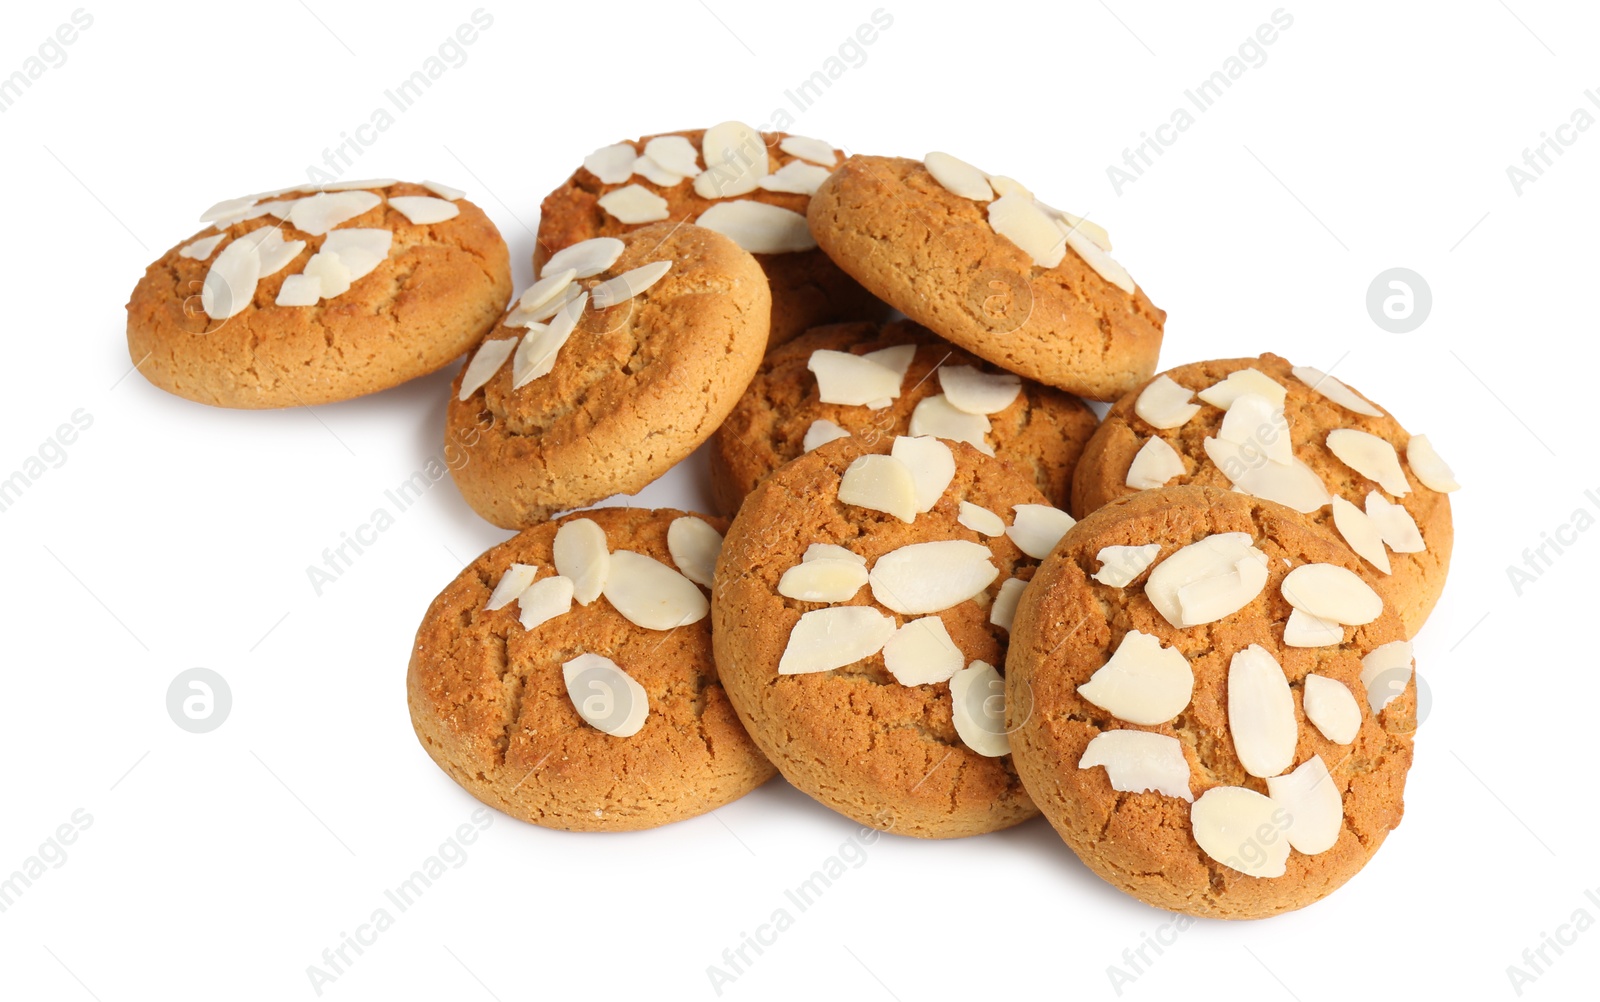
(586,257)
(1311,799)
(1331,592)
(1334,390)
(634,204)
(650,594)
(543,601)
(1361,532)
(424,210)
(371,182)
(605,696)
(880,483)
(922,653)
(821,432)
(485,363)
(824,579)
(1212,563)
(735,156)
(852,380)
(444,190)
(319,213)
(1139,762)
(228,207)
(230,284)
(978,709)
(546,289)
(758,227)
(1370,456)
(1104,265)
(628,284)
(1247,380)
(612,164)
(1004,610)
(1165,404)
(512,583)
(1143,682)
(583,556)
(1037,528)
(897,358)
(276,252)
(1211,599)
(1255,421)
(202,248)
(923,578)
(1385,672)
(360,250)
(1094,231)
(1294,485)
(656,174)
(541,314)
(976,392)
(1434,472)
(1228,822)
(1119,565)
(331,272)
(1020,220)
(306,290)
(980,519)
(796,177)
(1153,465)
(806,148)
(825,639)
(1306,630)
(1331,708)
(1004,186)
(828,551)
(694,546)
(1394,524)
(536,356)
(1261,712)
(932,467)
(959,177)
(934,416)
(675,153)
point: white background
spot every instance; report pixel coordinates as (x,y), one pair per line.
(221,865)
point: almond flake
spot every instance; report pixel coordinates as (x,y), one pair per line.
(1370,456)
(543,601)
(932,467)
(319,213)
(806,148)
(359,250)
(1143,682)
(230,284)
(828,551)
(1104,265)
(1020,220)
(978,709)
(1306,630)
(1139,762)
(975,392)
(821,432)
(331,271)
(1261,712)
(675,153)
(301,290)
(880,483)
(1255,421)
(228,207)
(1228,823)
(980,519)
(582,555)
(922,653)
(935,416)
(512,583)
(424,210)
(824,579)
(959,177)
(1119,565)
(1331,592)
(444,190)
(537,354)
(1200,582)
(537,316)
(758,227)
(1153,465)
(628,284)
(202,248)
(1334,390)
(605,696)
(634,204)
(1004,186)
(897,358)
(825,639)
(1330,706)
(612,164)
(1294,485)
(586,258)
(1311,799)
(371,182)
(853,380)
(276,253)
(1361,532)
(1165,404)
(1004,610)
(656,174)
(1434,472)
(1385,672)
(922,578)
(694,546)
(1037,528)
(545,290)
(796,177)
(1395,524)
(735,156)
(1247,380)
(650,594)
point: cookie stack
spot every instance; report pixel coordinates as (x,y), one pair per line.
(938,596)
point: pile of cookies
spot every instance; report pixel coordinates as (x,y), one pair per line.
(939,596)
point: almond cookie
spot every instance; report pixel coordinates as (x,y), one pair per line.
(979,261)
(801,399)
(566,677)
(1220,705)
(860,619)
(309,295)
(752,186)
(616,364)
(1294,435)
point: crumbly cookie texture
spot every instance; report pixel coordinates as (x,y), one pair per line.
(436,289)
(490,705)
(935,256)
(1146,841)
(1416,579)
(1041,432)
(807,288)
(830,700)
(632,390)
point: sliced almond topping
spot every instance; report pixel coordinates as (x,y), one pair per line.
(1395,524)
(978,709)
(634,204)
(897,358)
(202,248)
(1242,830)
(543,601)
(796,177)
(546,289)
(582,555)
(1094,231)
(923,578)
(1247,380)
(1104,265)
(1331,592)
(1165,404)
(1200,582)
(276,252)
(488,360)
(881,483)
(650,594)
(228,207)
(656,174)
(1119,565)
(536,356)
(853,380)
(1330,706)
(806,148)
(1143,682)
(1020,220)
(306,290)
(1386,672)
(538,315)
(980,519)
(675,153)
(1361,533)
(824,579)
(331,271)
(628,284)
(821,432)
(694,547)
(1004,186)
(934,416)
(1370,456)
(444,190)
(1434,472)
(1311,799)
(758,227)
(371,182)
(1036,528)
(1306,630)
(1255,422)
(1261,712)
(1334,390)
(512,583)
(612,164)
(319,213)
(932,467)
(360,250)
(1139,761)
(1294,485)
(230,284)
(605,696)
(976,392)
(424,210)
(1209,600)
(922,653)
(959,177)
(586,257)
(825,639)
(1153,465)
(828,551)
(1004,610)
(735,156)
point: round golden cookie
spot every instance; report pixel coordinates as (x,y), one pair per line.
(1041,432)
(933,255)
(634,389)
(1069,624)
(1416,580)
(807,288)
(885,754)
(490,703)
(437,290)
